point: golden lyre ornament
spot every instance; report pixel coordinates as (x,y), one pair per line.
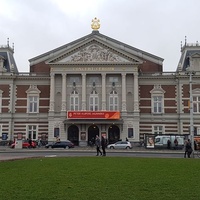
(95,24)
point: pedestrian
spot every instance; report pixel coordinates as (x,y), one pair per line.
(168,144)
(30,143)
(126,139)
(98,144)
(188,149)
(39,142)
(103,145)
(175,144)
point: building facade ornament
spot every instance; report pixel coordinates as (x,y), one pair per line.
(95,24)
(95,53)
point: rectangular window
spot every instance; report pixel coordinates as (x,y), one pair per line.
(56,132)
(74,101)
(158,130)
(32,132)
(130,133)
(33,104)
(94,103)
(113,103)
(157,104)
(196,104)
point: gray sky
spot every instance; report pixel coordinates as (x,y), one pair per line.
(154,26)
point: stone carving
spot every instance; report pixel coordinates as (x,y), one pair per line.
(95,53)
(51,106)
(63,106)
(124,106)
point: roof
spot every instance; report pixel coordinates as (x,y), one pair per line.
(188,51)
(100,37)
(9,61)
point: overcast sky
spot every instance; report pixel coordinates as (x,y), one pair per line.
(154,26)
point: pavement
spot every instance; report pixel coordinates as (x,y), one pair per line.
(6,150)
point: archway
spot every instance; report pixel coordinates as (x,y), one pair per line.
(93,130)
(113,134)
(73,134)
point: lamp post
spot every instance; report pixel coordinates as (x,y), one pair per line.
(191,73)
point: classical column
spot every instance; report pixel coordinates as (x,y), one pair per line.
(103,106)
(52,90)
(84,91)
(123,91)
(63,92)
(136,93)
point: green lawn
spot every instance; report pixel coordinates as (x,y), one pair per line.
(99,178)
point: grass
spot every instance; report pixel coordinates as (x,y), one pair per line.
(100,178)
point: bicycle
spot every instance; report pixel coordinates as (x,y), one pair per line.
(198,153)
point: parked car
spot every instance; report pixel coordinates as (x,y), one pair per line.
(49,144)
(120,145)
(61,144)
(25,144)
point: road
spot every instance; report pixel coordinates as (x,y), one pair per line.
(12,154)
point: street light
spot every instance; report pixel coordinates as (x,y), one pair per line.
(191,74)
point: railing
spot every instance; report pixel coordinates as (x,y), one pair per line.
(26,74)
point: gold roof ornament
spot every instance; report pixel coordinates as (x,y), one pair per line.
(95,24)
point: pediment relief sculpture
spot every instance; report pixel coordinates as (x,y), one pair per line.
(94,53)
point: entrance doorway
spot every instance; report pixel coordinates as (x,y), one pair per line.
(113,134)
(73,134)
(92,132)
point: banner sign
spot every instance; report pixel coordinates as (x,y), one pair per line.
(93,115)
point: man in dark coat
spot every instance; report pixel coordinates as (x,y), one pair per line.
(103,145)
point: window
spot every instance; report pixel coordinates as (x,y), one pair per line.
(33,104)
(32,132)
(158,130)
(196,104)
(74,101)
(157,100)
(157,104)
(113,101)
(94,101)
(130,133)
(33,99)
(56,132)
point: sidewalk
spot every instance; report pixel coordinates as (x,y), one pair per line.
(78,148)
(5,150)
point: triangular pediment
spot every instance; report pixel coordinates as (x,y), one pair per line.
(94,51)
(195,55)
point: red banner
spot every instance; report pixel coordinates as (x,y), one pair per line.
(93,115)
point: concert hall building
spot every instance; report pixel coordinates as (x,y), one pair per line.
(97,85)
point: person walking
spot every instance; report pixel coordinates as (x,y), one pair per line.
(175,144)
(103,145)
(30,143)
(98,144)
(188,149)
(168,144)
